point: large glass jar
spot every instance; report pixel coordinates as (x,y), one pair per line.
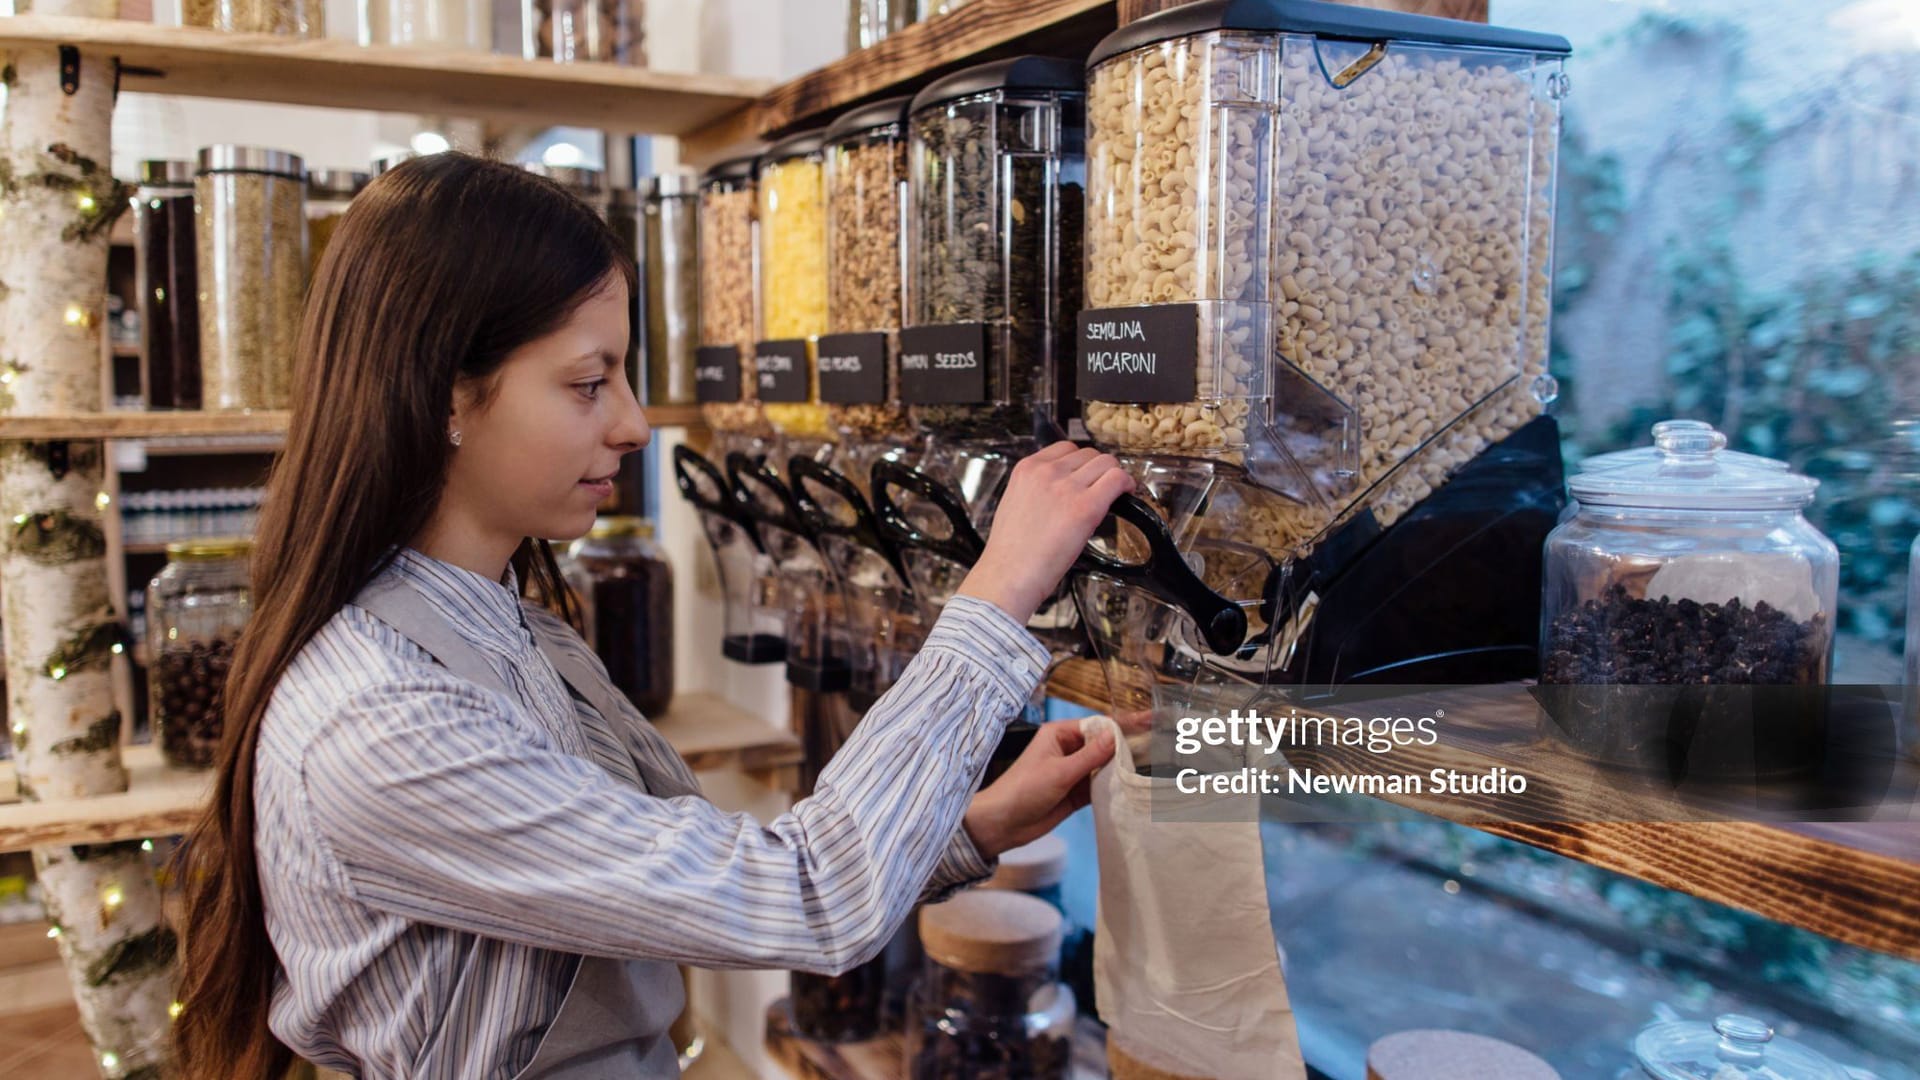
(996,173)
(724,379)
(866,290)
(871,21)
(196,608)
(166,282)
(672,228)
(1687,612)
(294,18)
(792,214)
(585,183)
(606,31)
(989,1002)
(626,592)
(623,212)
(251,229)
(447,24)
(329,192)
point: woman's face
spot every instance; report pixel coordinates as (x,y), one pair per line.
(541,453)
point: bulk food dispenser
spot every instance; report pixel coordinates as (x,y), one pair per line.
(792,220)
(1318,252)
(995,195)
(724,384)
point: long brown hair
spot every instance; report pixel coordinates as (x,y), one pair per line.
(441,268)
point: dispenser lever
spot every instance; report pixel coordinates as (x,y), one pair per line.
(963,545)
(686,461)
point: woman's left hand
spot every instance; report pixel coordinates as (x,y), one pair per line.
(1047,782)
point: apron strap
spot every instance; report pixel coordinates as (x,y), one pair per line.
(395,601)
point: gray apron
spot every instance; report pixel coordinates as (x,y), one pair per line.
(614,1019)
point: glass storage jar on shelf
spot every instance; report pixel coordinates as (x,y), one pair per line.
(196,609)
(724,379)
(166,282)
(792,217)
(672,269)
(293,18)
(1687,611)
(329,192)
(251,232)
(584,182)
(603,31)
(870,22)
(622,206)
(989,1001)
(625,586)
(447,24)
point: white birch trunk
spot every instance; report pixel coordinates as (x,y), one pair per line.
(57,200)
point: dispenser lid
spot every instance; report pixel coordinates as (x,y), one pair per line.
(1031,867)
(864,118)
(674,184)
(734,169)
(1733,1047)
(992,932)
(1322,20)
(798,144)
(1019,73)
(574,177)
(1688,467)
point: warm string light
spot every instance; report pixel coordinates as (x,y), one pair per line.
(103,500)
(112,899)
(109,1061)
(53,931)
(173,1010)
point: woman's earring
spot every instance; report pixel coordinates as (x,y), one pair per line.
(453,437)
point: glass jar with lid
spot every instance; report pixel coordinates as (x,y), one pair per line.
(724,380)
(1688,609)
(672,261)
(446,24)
(251,231)
(196,608)
(329,192)
(293,18)
(625,587)
(989,1001)
(166,280)
(1733,1047)
(570,31)
(870,22)
(792,215)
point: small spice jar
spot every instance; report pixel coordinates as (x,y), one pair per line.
(196,609)
(445,24)
(606,31)
(989,1002)
(251,229)
(1688,609)
(672,228)
(166,281)
(329,191)
(626,591)
(293,18)
(1733,1047)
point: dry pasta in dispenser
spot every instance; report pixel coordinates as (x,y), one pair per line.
(792,214)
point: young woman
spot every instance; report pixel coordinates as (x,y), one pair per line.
(441,845)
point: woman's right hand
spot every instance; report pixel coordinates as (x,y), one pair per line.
(1053,503)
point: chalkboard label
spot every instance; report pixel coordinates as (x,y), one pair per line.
(782,370)
(1139,354)
(944,365)
(716,374)
(853,369)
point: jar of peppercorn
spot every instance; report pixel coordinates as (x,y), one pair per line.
(1687,612)
(990,1002)
(196,608)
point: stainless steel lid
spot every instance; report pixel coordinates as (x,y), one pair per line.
(167,171)
(229,158)
(577,177)
(336,183)
(673,184)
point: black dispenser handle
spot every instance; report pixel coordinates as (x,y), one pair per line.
(962,546)
(863,530)
(686,462)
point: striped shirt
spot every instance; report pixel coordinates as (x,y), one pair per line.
(436,857)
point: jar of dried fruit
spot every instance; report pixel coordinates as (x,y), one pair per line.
(196,608)
(1688,610)
(251,230)
(989,1001)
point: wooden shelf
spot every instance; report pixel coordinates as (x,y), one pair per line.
(133,424)
(982,30)
(709,733)
(1855,882)
(885,1058)
(345,75)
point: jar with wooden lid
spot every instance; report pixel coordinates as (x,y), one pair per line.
(196,608)
(251,231)
(625,587)
(989,1002)
(166,278)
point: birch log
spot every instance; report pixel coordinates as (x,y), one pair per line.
(57,200)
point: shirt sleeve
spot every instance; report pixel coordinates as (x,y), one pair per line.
(439,803)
